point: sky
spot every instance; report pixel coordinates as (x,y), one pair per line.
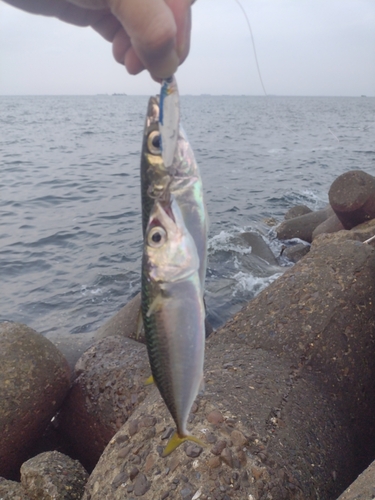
(304,47)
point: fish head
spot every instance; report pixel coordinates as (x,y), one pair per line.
(171,253)
(157,175)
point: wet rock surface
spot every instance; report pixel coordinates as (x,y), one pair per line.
(289,401)
(109,385)
(53,476)
(34,379)
(259,247)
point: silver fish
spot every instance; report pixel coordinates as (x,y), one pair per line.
(173,313)
(182,179)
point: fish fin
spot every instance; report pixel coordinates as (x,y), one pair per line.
(155,305)
(176,440)
(139,326)
(150,380)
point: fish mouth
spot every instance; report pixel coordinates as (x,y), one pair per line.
(167,209)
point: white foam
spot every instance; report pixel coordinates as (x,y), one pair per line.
(85,289)
(314,200)
(250,283)
(221,241)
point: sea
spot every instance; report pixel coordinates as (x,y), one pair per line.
(70,211)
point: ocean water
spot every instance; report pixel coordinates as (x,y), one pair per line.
(70,214)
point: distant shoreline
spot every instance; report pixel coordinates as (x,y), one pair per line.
(189,95)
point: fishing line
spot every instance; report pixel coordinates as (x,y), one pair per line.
(257,65)
(253,44)
(260,74)
(335,136)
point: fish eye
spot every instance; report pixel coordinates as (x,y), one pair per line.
(156,237)
(153,142)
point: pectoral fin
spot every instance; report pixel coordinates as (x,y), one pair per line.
(155,305)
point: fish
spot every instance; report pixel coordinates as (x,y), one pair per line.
(173,313)
(182,179)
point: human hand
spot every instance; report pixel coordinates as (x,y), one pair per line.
(151,34)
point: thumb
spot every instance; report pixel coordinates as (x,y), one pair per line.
(151,27)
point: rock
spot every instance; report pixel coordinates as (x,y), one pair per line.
(11,490)
(109,385)
(52,476)
(259,247)
(363,487)
(328,331)
(303,226)
(330,225)
(34,379)
(215,417)
(352,197)
(296,252)
(141,485)
(301,391)
(72,346)
(124,323)
(213,462)
(269,221)
(363,231)
(238,439)
(193,450)
(297,211)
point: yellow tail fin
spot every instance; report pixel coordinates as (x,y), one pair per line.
(176,440)
(150,380)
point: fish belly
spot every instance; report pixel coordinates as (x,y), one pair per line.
(175,335)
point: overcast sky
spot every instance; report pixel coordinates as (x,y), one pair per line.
(304,47)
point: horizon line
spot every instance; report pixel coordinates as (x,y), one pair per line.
(123,94)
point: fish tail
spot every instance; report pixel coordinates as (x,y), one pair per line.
(149,381)
(176,440)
